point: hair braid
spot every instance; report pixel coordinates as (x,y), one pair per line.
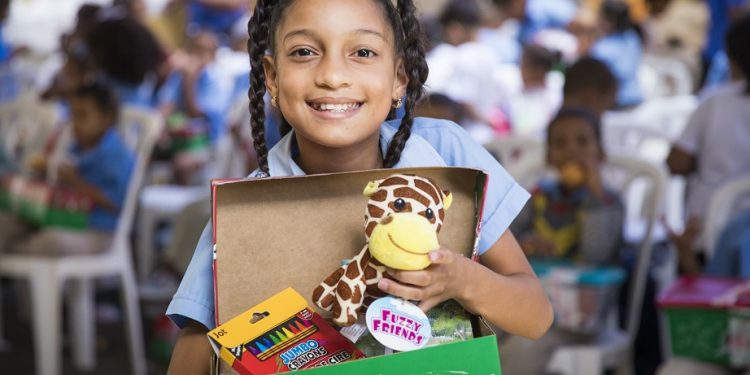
(416,69)
(258,30)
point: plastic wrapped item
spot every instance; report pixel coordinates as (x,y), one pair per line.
(581,296)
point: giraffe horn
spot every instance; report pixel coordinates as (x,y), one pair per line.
(371,188)
(447,199)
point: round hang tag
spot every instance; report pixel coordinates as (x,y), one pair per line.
(398,324)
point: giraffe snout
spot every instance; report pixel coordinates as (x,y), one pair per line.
(386,220)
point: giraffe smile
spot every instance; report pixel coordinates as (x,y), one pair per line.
(401,248)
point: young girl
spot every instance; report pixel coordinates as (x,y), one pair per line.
(336,69)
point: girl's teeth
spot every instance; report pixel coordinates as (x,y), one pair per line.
(335,107)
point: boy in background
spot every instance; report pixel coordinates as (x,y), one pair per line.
(99,167)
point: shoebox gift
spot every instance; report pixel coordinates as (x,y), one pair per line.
(46,205)
(276,233)
(709,319)
(186,134)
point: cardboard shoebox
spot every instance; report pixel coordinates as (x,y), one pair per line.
(276,233)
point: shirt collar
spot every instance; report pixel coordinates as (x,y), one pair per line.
(105,142)
(417,153)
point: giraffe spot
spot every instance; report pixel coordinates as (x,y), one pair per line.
(374,291)
(439,227)
(411,193)
(344,291)
(370,227)
(334,278)
(357,296)
(379,196)
(317,293)
(327,302)
(352,271)
(394,181)
(374,211)
(370,273)
(429,189)
(441,214)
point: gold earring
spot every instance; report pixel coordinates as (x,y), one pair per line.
(275,101)
(397,103)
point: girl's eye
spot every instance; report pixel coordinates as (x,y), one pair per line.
(365,53)
(399,204)
(303,52)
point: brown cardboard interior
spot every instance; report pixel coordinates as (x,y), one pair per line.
(280,232)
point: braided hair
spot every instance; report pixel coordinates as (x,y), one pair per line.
(410,46)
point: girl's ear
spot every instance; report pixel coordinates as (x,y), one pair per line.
(269,68)
(401,81)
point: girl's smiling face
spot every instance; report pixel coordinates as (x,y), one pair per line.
(335,72)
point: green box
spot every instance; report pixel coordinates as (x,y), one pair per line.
(476,356)
(699,333)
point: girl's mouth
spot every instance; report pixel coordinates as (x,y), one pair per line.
(335,108)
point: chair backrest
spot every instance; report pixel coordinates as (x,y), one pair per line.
(664,76)
(720,209)
(522,157)
(26,123)
(140,129)
(642,187)
(636,139)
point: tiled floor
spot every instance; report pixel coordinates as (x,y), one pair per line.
(112,356)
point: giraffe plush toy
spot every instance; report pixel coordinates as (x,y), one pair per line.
(403,217)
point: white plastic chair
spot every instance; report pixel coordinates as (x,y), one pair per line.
(26,123)
(48,274)
(642,187)
(522,157)
(720,209)
(664,76)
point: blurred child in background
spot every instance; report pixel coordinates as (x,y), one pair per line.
(461,67)
(197,93)
(713,147)
(99,167)
(530,110)
(574,217)
(589,84)
(621,48)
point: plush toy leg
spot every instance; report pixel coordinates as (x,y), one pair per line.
(324,294)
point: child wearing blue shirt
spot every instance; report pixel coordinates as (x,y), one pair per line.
(621,48)
(99,167)
(337,72)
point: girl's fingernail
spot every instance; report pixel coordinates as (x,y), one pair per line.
(434,256)
(383,284)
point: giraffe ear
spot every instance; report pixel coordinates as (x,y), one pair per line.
(371,188)
(447,200)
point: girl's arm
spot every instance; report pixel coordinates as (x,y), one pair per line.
(502,287)
(192,352)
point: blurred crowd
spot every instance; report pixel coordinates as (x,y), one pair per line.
(563,74)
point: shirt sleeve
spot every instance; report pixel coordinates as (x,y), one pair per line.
(195,296)
(504,197)
(689,141)
(170,91)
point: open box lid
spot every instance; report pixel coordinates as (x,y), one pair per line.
(704,292)
(274,233)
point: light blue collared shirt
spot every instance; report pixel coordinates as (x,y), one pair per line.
(432,143)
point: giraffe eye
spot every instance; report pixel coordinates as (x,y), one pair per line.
(429,214)
(399,204)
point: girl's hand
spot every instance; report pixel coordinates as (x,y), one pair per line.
(443,280)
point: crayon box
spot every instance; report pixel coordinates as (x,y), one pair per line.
(281,334)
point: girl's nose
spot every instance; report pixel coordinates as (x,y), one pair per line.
(333,73)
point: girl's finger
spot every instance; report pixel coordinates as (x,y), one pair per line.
(416,278)
(429,303)
(441,256)
(399,290)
